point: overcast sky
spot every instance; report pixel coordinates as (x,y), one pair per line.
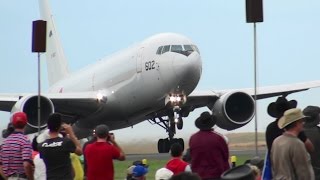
(288,44)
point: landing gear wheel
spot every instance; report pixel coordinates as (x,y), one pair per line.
(163,145)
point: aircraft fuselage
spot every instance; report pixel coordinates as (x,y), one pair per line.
(136,80)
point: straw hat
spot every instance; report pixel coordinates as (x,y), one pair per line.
(290,116)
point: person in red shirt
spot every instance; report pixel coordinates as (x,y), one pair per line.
(100,154)
(176,164)
(208,149)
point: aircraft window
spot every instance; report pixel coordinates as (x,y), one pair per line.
(194,47)
(188,48)
(159,50)
(176,48)
(165,49)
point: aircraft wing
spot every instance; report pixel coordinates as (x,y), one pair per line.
(284,90)
(201,98)
(8,100)
(80,104)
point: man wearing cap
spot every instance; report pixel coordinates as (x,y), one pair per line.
(208,149)
(100,154)
(55,151)
(289,157)
(16,151)
(312,130)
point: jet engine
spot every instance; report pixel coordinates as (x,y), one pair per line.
(29,105)
(233,110)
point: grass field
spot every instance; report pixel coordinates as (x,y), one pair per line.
(121,166)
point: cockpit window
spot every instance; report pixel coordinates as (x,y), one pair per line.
(187,48)
(176,48)
(181,49)
(165,49)
(159,50)
(194,47)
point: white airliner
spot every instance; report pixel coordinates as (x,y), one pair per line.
(153,80)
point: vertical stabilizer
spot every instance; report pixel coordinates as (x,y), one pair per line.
(56,62)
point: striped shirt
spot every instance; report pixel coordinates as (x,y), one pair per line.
(15,150)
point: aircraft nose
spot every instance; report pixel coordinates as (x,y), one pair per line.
(188,69)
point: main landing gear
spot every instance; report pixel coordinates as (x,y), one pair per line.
(169,124)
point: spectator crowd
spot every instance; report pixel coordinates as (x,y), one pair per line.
(293,151)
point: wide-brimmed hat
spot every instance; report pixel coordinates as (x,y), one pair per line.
(241,172)
(276,109)
(205,121)
(290,116)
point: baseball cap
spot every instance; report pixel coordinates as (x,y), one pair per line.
(139,171)
(101,130)
(19,119)
(163,174)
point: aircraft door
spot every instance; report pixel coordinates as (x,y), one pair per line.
(139,60)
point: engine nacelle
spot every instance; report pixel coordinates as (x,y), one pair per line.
(233,110)
(29,105)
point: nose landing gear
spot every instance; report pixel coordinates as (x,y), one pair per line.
(173,120)
(169,124)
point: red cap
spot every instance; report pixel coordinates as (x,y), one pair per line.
(19,119)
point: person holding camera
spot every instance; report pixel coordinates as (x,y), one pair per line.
(55,151)
(100,154)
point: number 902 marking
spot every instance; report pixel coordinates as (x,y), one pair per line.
(149,65)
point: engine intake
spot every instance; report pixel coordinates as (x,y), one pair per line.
(233,110)
(29,105)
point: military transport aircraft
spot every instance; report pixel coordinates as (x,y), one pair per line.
(156,81)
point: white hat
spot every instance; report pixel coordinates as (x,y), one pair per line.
(163,174)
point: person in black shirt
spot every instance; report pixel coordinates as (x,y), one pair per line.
(56,150)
